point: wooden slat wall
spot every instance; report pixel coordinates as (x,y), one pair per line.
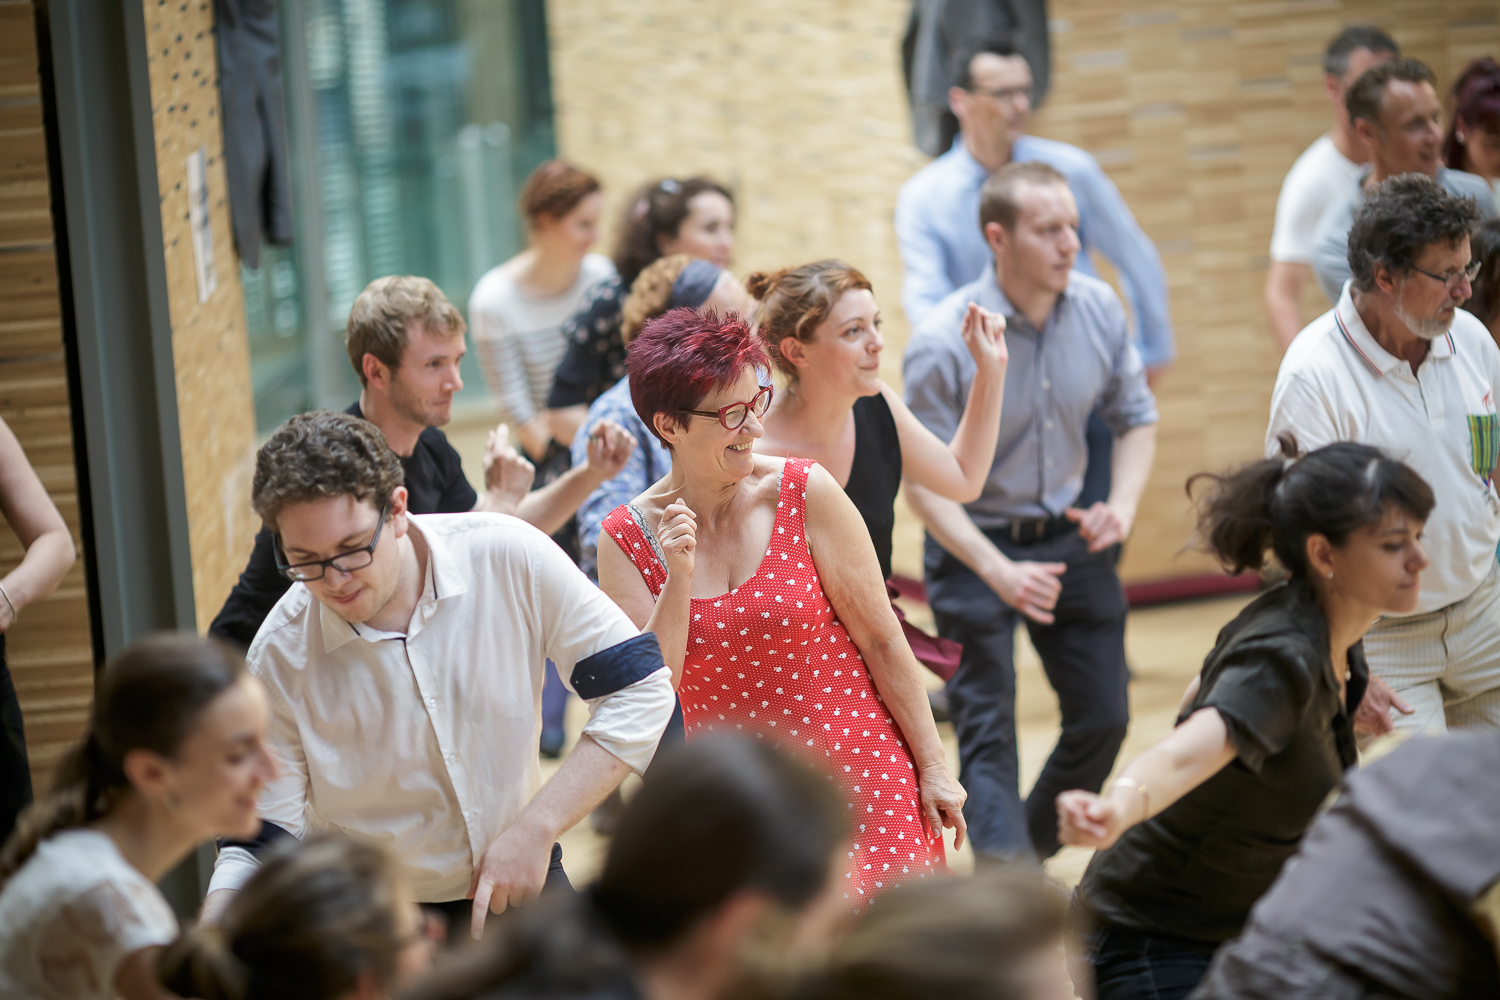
(48,649)
(215,405)
(1196,110)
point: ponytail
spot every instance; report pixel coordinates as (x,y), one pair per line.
(200,964)
(148,698)
(1276,504)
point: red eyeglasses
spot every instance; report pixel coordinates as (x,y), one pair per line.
(734,415)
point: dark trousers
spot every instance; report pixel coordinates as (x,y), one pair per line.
(458,912)
(1098,474)
(1083,655)
(15,769)
(1132,965)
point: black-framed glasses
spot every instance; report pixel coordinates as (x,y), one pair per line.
(344,562)
(734,415)
(1450,281)
(1006,95)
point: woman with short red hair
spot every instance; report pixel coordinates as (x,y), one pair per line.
(761,584)
(1473,140)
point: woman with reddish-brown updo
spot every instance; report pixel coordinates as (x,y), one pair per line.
(761,584)
(821,325)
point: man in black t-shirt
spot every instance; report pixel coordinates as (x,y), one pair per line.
(405,341)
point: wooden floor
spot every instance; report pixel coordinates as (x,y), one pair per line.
(1165,646)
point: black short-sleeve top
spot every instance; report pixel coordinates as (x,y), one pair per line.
(875,476)
(595,358)
(1195,869)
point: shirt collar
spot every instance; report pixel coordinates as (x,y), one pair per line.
(1003,306)
(965,160)
(1352,330)
(443,580)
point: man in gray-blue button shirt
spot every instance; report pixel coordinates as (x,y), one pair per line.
(1022,552)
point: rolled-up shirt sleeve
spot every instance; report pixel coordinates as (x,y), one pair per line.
(605,659)
(1127,401)
(1262,694)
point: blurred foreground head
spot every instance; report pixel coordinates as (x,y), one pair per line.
(995,936)
(721,875)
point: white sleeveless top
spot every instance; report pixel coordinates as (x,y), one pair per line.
(71,914)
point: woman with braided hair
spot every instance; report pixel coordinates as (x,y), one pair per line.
(175,755)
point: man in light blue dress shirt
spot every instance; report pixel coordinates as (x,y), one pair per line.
(1031,550)
(937,215)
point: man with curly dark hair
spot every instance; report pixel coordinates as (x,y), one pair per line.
(405,671)
(1397,364)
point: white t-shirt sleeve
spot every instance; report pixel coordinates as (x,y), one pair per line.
(1298,408)
(1305,192)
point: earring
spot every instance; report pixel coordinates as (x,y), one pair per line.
(1330,574)
(1461,138)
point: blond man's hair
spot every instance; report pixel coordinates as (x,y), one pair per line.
(380,317)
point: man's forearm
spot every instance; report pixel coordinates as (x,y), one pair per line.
(1283,294)
(1135,450)
(588,775)
(550,507)
(948,522)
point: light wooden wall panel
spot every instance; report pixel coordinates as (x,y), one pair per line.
(1196,110)
(215,406)
(49,648)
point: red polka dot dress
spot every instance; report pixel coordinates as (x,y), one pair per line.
(770,658)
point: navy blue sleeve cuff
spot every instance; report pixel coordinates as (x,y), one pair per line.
(269,836)
(617,667)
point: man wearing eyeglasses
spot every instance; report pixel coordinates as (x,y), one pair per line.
(1394,107)
(1397,364)
(405,673)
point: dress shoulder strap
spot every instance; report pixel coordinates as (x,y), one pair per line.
(791,501)
(625,526)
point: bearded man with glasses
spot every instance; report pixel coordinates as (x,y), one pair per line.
(1397,364)
(405,671)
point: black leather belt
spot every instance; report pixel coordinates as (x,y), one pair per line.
(1032,530)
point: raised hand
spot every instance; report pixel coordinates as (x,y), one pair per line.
(1088,820)
(984,333)
(609,448)
(678,537)
(507,474)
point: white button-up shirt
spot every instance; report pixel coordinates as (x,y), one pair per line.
(425,743)
(1337,384)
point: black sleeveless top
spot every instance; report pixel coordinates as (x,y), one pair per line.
(875,475)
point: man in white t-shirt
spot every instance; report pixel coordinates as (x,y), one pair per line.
(405,673)
(1396,364)
(1322,174)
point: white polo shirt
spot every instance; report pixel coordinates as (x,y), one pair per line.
(425,741)
(1337,384)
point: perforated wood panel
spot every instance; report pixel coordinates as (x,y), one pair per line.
(1195,109)
(48,649)
(214,402)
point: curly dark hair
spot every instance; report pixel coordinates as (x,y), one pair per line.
(1402,216)
(323,453)
(1484,243)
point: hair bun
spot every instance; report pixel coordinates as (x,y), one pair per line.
(200,964)
(760,283)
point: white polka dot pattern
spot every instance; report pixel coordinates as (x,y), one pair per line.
(771,659)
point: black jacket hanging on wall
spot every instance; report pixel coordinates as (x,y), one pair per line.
(255,141)
(937,29)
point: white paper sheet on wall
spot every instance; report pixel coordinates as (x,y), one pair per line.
(203,238)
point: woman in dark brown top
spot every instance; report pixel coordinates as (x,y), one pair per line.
(1196,828)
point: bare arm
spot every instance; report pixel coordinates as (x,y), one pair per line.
(550,507)
(136,979)
(514,867)
(564,422)
(1191,754)
(1031,588)
(958,471)
(36,522)
(1284,300)
(851,579)
(666,616)
(1105,524)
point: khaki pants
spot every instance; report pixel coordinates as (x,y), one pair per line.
(1445,663)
